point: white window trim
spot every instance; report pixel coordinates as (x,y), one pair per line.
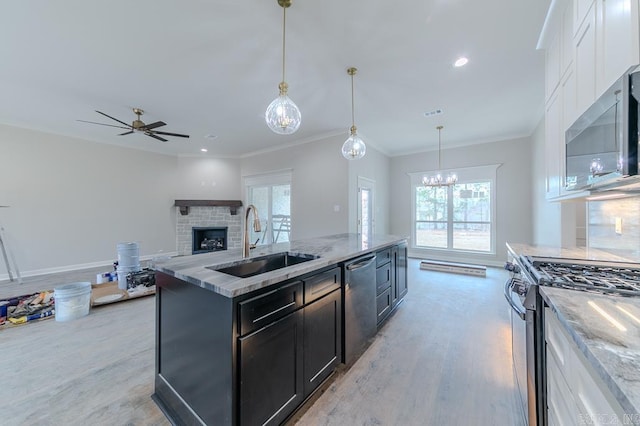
(465,174)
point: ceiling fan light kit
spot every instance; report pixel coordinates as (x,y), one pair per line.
(282,115)
(354,147)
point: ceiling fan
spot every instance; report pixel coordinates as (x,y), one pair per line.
(139,126)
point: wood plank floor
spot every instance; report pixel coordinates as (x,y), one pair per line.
(444,358)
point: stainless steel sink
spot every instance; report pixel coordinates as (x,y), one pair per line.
(260,265)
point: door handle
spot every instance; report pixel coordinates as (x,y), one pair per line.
(361,264)
(507,295)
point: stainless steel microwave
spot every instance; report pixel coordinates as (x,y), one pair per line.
(602,145)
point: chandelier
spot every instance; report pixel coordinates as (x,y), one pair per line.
(282,115)
(438,180)
(354,147)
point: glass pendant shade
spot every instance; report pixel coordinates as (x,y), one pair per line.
(282,115)
(354,147)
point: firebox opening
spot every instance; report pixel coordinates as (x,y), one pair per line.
(207,239)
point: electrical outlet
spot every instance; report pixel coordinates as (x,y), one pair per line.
(619,225)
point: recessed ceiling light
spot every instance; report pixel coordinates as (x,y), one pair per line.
(210,136)
(460,62)
(204,149)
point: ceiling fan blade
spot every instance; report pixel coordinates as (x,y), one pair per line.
(153,125)
(172,134)
(156,137)
(102,124)
(115,119)
(126,133)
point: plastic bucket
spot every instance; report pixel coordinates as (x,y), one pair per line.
(72,300)
(129,256)
(122,276)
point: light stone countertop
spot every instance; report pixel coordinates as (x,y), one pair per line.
(614,354)
(331,250)
(578,253)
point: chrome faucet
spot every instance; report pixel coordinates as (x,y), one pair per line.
(256,227)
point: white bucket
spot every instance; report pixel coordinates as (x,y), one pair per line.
(72,300)
(129,256)
(122,276)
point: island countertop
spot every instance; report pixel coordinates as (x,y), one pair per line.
(613,351)
(330,250)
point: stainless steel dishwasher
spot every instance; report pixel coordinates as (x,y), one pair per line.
(360,319)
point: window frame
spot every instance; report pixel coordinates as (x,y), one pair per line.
(280,177)
(465,175)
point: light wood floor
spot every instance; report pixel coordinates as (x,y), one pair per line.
(443,359)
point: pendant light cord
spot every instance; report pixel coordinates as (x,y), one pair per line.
(284,29)
(439,149)
(353,114)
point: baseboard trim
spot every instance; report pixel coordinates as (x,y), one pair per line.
(456,268)
(77,267)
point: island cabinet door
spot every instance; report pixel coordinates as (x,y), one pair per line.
(322,339)
(270,374)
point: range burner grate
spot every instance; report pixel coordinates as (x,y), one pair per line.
(598,278)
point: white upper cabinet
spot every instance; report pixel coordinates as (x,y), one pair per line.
(552,67)
(580,10)
(618,40)
(585,59)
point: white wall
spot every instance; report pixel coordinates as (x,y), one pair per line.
(319,182)
(375,166)
(208,178)
(513,190)
(72,200)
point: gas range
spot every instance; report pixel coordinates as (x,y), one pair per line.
(615,278)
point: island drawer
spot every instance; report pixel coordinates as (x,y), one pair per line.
(383,278)
(268,307)
(383,305)
(383,256)
(320,284)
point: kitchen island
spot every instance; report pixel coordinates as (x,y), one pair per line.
(250,350)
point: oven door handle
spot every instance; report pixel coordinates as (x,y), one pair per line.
(508,285)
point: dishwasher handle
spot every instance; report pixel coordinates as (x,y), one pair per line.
(361,263)
(508,289)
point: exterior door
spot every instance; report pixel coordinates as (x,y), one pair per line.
(366,220)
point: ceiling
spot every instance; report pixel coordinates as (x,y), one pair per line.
(210,68)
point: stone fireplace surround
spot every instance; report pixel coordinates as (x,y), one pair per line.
(207,216)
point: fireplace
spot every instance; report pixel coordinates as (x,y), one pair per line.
(208,239)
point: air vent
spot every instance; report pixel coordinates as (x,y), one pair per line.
(433,113)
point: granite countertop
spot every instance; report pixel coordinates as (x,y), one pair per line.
(613,353)
(578,253)
(331,250)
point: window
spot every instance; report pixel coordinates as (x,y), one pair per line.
(271,195)
(460,217)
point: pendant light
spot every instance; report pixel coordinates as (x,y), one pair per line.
(282,115)
(438,180)
(354,147)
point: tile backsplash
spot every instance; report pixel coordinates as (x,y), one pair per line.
(614,226)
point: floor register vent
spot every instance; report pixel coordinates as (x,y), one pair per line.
(456,268)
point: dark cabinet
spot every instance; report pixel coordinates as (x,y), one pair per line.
(385,277)
(400,286)
(270,380)
(287,355)
(322,339)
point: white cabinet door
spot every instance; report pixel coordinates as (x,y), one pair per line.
(585,43)
(567,54)
(581,7)
(618,39)
(553,140)
(552,66)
